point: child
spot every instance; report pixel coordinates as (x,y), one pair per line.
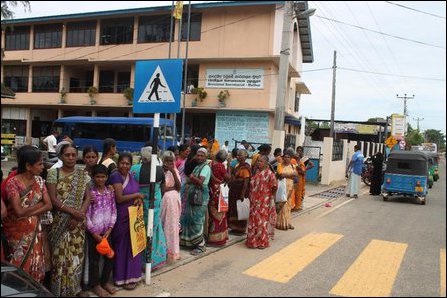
(101,217)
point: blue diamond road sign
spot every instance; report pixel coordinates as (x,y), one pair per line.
(158,86)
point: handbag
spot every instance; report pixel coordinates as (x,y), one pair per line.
(196,196)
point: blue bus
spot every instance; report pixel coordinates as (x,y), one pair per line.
(129,133)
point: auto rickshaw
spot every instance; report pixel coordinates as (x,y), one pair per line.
(434,169)
(406,175)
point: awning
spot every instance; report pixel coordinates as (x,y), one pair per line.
(292,121)
(302,88)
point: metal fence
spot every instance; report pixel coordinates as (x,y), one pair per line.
(337,150)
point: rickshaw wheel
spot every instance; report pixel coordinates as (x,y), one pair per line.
(422,201)
(385,198)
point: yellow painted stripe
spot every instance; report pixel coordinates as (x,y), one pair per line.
(442,262)
(374,271)
(285,264)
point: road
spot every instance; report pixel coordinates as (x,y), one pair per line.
(359,247)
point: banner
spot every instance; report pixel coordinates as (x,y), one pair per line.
(137,229)
(398,124)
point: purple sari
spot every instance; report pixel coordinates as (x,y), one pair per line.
(127,268)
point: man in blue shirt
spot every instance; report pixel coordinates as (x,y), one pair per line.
(355,173)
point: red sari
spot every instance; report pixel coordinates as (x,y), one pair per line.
(217,222)
(263,187)
(24,235)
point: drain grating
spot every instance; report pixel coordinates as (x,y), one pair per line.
(331,193)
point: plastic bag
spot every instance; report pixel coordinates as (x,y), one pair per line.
(281,193)
(243,209)
(137,230)
(223,198)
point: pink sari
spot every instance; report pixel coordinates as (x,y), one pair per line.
(171,208)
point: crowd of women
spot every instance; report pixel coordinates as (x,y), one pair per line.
(57,229)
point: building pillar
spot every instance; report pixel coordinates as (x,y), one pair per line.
(60,113)
(62,78)
(29,122)
(96,76)
(115,82)
(94,113)
(135,29)
(31,38)
(64,34)
(98,33)
(132,75)
(130,113)
(30,79)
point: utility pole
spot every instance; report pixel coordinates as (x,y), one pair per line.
(418,119)
(283,80)
(405,98)
(334,72)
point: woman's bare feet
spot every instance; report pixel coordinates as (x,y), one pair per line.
(98,290)
(110,288)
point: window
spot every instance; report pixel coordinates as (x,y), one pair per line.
(120,132)
(16,77)
(123,81)
(154,29)
(17,38)
(81,34)
(192,76)
(117,31)
(337,150)
(195,26)
(403,165)
(106,81)
(46,78)
(48,36)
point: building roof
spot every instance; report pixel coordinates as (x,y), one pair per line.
(134,11)
(303,22)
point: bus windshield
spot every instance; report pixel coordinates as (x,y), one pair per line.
(130,133)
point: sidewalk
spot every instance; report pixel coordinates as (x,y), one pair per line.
(310,203)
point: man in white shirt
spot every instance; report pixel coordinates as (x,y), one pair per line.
(225,146)
(51,143)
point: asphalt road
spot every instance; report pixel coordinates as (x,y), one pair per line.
(359,247)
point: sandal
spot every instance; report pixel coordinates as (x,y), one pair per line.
(83,294)
(130,286)
(197,251)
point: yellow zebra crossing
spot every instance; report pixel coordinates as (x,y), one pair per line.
(372,274)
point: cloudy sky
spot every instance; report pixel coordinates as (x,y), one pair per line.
(405,55)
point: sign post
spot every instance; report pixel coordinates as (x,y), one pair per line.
(157,90)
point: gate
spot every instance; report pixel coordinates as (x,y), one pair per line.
(314,155)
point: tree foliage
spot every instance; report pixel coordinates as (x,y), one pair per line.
(7,12)
(435,136)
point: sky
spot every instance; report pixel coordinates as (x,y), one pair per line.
(405,55)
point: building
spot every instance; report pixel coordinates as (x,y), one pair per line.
(52,62)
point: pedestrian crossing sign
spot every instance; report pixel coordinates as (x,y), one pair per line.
(158,86)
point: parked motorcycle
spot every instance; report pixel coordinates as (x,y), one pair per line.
(367,171)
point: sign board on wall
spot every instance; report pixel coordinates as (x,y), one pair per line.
(249,126)
(398,126)
(231,78)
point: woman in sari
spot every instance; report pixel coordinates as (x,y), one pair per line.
(190,165)
(263,190)
(303,164)
(184,151)
(141,173)
(127,270)
(239,189)
(193,219)
(27,199)
(68,188)
(171,207)
(217,225)
(286,171)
